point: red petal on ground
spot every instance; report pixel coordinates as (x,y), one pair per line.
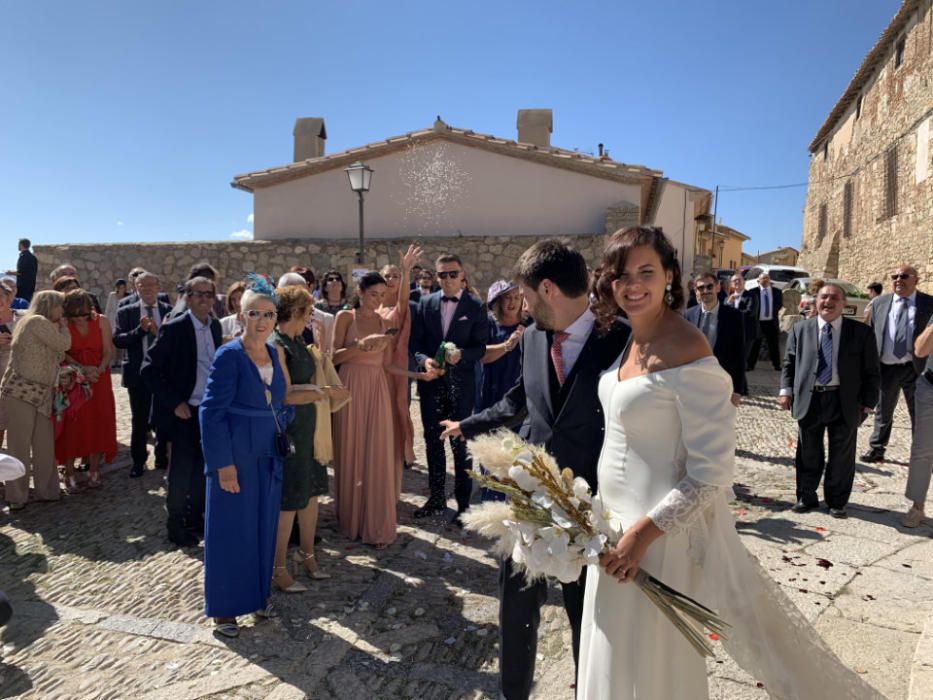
(714,636)
(821,529)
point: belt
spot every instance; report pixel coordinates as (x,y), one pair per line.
(820,389)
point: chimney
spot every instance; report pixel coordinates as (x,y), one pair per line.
(310,135)
(535,126)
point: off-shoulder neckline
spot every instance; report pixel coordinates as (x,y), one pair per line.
(618,363)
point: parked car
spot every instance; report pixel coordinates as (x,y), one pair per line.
(781,275)
(856,299)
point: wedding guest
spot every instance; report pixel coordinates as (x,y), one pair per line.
(921,447)
(18,303)
(136,330)
(91,432)
(27,267)
(64,270)
(365,457)
(334,293)
(767,300)
(724,329)
(454,316)
(425,285)
(813,288)
(8,320)
(501,365)
(830,382)
(747,305)
(132,297)
(874,291)
(231,325)
(555,398)
(307,274)
(897,319)
(176,370)
(66,284)
(665,473)
(39,343)
(241,414)
(320,327)
(113,300)
(396,311)
(304,477)
(68,270)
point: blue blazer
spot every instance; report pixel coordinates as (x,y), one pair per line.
(468,330)
(236,422)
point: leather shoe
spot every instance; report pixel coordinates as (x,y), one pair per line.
(872,456)
(182,538)
(457,521)
(136,471)
(431,507)
(802,506)
(839,512)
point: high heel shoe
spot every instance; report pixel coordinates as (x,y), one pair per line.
(293,587)
(302,557)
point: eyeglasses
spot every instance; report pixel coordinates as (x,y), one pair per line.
(901,276)
(453,274)
(332,279)
(704,287)
(254,315)
(202,295)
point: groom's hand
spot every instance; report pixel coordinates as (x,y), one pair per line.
(451,429)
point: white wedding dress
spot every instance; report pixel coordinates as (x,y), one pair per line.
(669,453)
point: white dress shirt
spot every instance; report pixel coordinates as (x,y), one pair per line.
(890,331)
(206,349)
(577,334)
(837,329)
(448,309)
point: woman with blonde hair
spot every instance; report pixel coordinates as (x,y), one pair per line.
(8,319)
(37,349)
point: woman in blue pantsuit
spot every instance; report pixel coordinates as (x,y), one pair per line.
(243,467)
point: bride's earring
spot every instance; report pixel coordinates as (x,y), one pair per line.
(668,297)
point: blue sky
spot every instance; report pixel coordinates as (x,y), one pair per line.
(126,120)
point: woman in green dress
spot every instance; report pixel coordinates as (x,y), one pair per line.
(304,478)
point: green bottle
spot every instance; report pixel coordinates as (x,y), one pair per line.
(440,357)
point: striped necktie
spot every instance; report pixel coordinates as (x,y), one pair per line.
(824,365)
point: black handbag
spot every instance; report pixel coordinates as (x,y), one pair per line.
(284,446)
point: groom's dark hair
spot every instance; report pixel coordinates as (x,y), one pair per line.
(554,260)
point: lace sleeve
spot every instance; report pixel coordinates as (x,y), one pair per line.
(685,502)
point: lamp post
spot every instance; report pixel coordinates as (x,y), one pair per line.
(361,176)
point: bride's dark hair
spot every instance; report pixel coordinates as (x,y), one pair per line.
(613,263)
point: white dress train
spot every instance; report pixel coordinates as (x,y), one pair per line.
(669,453)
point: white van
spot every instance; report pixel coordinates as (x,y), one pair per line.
(781,275)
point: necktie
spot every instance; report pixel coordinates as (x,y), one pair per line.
(824,365)
(900,332)
(557,356)
(449,300)
(148,335)
(766,304)
(706,319)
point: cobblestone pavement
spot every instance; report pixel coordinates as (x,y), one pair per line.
(105,608)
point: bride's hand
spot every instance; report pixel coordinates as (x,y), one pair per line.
(622,561)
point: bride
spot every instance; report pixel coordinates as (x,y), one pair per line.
(665,472)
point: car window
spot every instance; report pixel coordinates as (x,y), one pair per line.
(753,273)
(786,275)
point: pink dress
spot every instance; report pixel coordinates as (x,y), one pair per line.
(398,387)
(366,464)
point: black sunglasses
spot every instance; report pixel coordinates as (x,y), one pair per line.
(703,287)
(453,274)
(333,279)
(901,276)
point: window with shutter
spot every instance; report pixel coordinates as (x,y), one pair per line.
(847,210)
(890,182)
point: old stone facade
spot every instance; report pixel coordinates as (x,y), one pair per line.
(486,259)
(870,196)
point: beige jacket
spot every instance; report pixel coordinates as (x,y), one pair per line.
(325,375)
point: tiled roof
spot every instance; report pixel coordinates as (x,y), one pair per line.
(875,58)
(545,155)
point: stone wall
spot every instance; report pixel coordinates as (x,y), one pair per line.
(895,112)
(486,259)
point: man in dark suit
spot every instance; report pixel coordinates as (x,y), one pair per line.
(767,301)
(175,370)
(748,305)
(132,296)
(897,319)
(27,267)
(136,330)
(555,400)
(830,381)
(454,316)
(724,328)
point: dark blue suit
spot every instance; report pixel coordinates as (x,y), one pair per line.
(128,336)
(450,397)
(730,342)
(238,428)
(170,370)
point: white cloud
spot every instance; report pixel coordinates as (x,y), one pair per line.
(242,235)
(249,219)
(119,222)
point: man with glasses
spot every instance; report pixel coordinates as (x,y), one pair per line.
(898,319)
(455,316)
(176,370)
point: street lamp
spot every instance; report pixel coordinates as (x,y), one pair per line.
(361,176)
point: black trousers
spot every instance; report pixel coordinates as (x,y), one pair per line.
(444,400)
(770,333)
(519,617)
(894,380)
(186,483)
(825,416)
(140,409)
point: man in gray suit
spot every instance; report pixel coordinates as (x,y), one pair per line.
(897,319)
(921,448)
(829,381)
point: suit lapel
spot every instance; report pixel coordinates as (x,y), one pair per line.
(813,338)
(583,363)
(453,318)
(541,352)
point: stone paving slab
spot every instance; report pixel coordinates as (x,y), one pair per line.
(105,608)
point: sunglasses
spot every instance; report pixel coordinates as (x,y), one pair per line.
(901,276)
(332,279)
(254,315)
(704,287)
(452,275)
(202,295)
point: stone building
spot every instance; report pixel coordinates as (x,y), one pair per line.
(481,196)
(720,248)
(785,255)
(870,194)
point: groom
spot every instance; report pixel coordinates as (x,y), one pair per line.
(555,400)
